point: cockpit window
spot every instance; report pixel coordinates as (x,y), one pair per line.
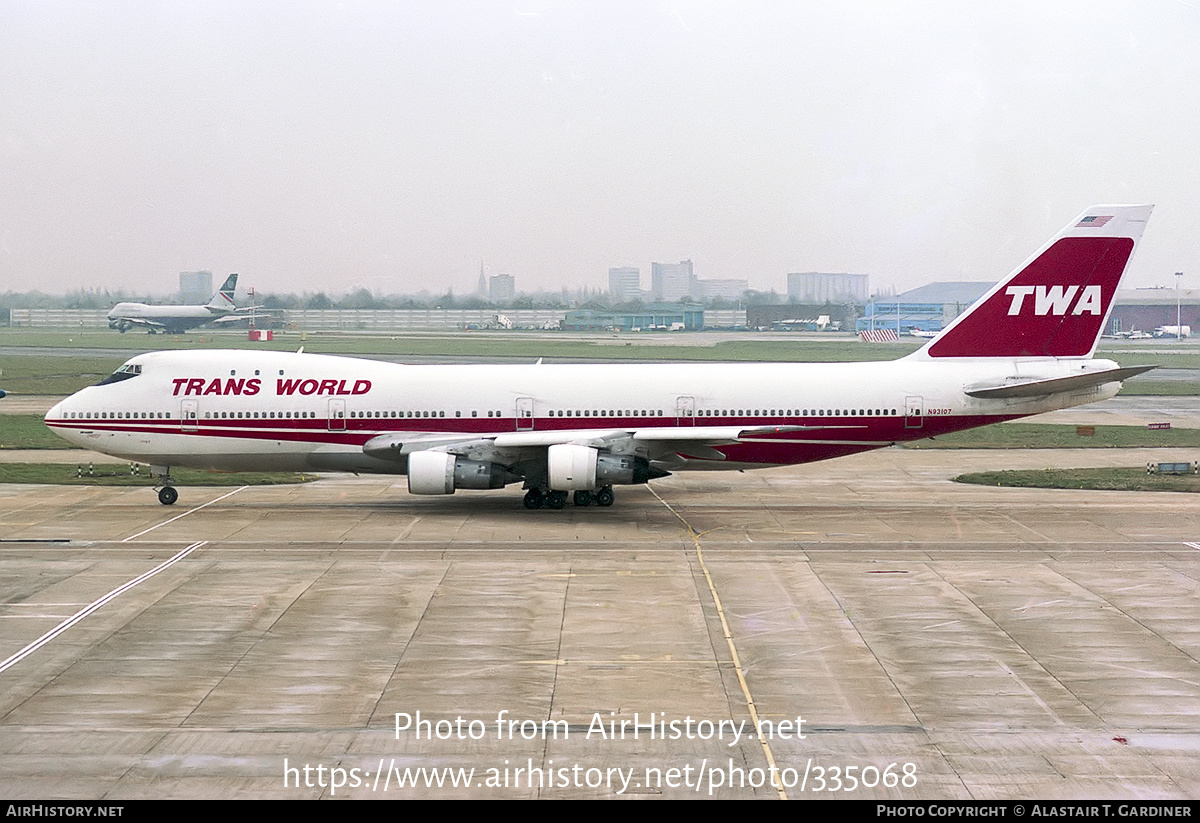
(124,373)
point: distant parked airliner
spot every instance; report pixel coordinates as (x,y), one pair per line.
(174,319)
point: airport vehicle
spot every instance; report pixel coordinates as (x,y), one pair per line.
(1173,331)
(174,319)
(916,331)
(1024,348)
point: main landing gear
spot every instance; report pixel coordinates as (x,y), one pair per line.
(537,498)
(167,495)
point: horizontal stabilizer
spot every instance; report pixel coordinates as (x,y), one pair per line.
(1022,387)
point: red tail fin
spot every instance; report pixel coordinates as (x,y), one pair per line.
(1057,302)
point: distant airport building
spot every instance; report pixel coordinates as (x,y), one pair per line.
(624,284)
(502,288)
(672,282)
(828,287)
(724,318)
(931,308)
(195,287)
(927,308)
(656,317)
(1149,309)
(380,320)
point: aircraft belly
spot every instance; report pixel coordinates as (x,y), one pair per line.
(224,452)
(809,447)
(280,462)
(764,455)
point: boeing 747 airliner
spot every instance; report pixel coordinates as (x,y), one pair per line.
(174,319)
(1024,348)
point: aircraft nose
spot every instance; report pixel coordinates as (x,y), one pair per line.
(56,414)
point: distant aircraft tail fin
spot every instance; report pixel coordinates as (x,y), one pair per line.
(223,299)
(1057,302)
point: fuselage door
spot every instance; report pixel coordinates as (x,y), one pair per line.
(685,411)
(189,413)
(913,418)
(524,413)
(337,415)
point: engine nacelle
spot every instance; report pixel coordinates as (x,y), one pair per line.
(431,472)
(572,467)
(581,468)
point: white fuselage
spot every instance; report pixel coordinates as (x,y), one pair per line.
(244,410)
(168,318)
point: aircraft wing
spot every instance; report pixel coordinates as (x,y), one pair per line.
(1024,387)
(400,444)
(141,322)
(242,315)
(695,440)
(259,311)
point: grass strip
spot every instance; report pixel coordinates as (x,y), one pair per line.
(1058,436)
(28,431)
(1096,479)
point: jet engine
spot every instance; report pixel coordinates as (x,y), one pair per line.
(431,472)
(582,468)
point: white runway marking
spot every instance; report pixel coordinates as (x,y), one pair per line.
(186,513)
(84,612)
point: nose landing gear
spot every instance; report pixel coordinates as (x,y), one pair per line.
(167,494)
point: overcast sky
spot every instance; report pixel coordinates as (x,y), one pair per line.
(328,146)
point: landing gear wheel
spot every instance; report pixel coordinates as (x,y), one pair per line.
(533,499)
(556,500)
(583,498)
(604,497)
(167,495)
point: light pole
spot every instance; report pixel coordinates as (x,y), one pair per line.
(1178,321)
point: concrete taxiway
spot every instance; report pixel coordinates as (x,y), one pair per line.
(894,634)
